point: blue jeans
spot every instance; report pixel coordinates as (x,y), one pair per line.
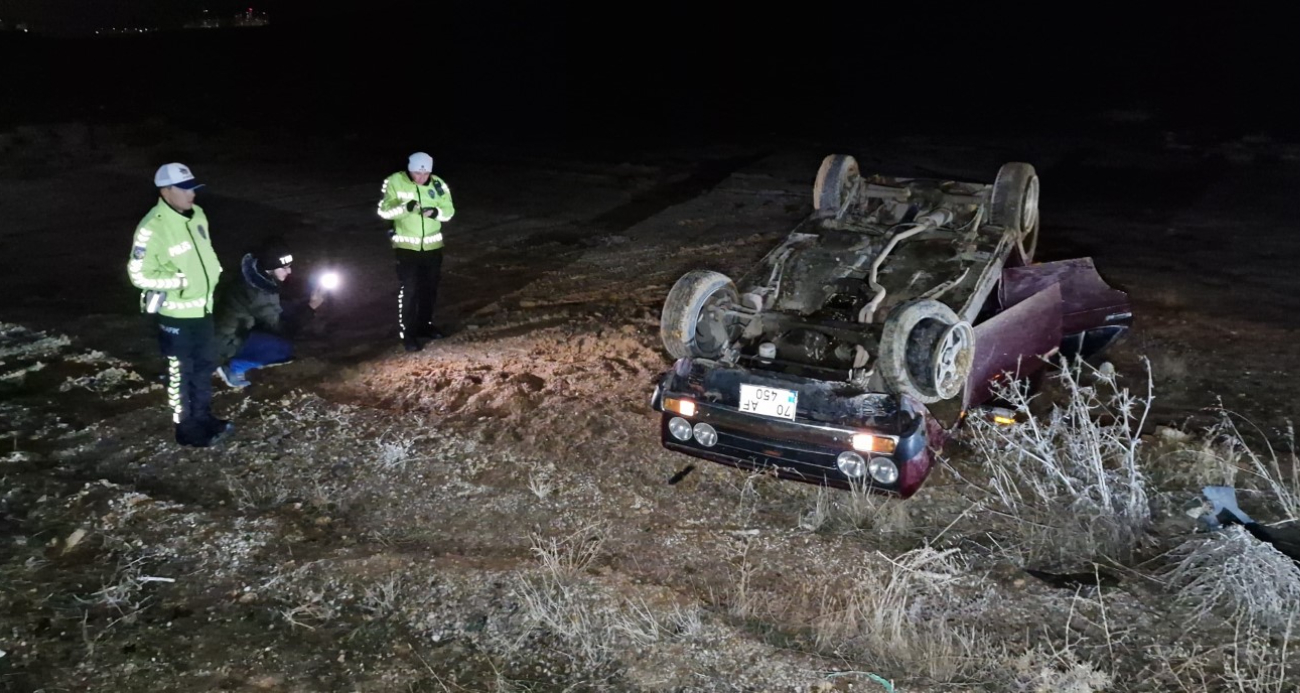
(261,349)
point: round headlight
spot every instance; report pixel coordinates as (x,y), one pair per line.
(680,428)
(852,464)
(705,435)
(883,470)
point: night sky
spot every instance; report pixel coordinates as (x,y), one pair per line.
(706,69)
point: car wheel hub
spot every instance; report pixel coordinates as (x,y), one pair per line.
(953,359)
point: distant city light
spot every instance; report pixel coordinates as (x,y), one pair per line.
(199,18)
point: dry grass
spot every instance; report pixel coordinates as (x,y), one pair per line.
(917,618)
(1072,480)
(1258,663)
(122,595)
(1277,474)
(1178,458)
(383,598)
(593,624)
(252,492)
(1170,367)
(539,480)
(856,510)
(313,605)
(899,618)
(1236,575)
(565,558)
(1044,670)
(1251,661)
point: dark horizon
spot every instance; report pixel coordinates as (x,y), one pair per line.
(544,73)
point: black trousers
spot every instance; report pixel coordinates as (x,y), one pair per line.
(188,345)
(419,272)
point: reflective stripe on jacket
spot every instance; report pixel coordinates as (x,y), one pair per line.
(173,253)
(411,229)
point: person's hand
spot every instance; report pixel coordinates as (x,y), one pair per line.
(429,212)
(317,298)
(410,206)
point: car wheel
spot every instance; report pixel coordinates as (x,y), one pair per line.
(1015,207)
(836,179)
(694,322)
(926,351)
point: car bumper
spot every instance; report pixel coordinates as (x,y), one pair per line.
(799,450)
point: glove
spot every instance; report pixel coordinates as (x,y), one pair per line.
(410,206)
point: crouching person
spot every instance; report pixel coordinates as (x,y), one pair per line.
(253,329)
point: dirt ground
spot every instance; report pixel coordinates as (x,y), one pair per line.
(496,513)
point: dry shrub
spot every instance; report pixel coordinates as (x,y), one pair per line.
(1072,478)
(1238,576)
(1276,474)
(1259,663)
(1179,458)
(1247,582)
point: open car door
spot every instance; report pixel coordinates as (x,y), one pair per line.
(1044,309)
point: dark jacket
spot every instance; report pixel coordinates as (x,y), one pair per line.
(252,302)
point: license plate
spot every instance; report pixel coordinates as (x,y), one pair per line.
(768,401)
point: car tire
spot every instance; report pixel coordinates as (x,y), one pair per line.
(1014,206)
(835,179)
(926,351)
(692,323)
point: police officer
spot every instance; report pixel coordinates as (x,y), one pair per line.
(417,202)
(173,263)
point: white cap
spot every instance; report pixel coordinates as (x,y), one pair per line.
(176,174)
(420,163)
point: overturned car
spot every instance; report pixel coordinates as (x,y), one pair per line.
(851,352)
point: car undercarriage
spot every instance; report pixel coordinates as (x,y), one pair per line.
(856,344)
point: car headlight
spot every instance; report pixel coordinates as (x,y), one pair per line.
(852,464)
(680,428)
(705,435)
(883,470)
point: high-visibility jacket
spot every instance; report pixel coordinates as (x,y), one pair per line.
(173,252)
(401,204)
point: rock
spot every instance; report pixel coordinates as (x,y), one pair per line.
(266,682)
(74,539)
(1172,435)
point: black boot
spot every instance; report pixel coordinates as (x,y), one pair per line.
(217,429)
(192,434)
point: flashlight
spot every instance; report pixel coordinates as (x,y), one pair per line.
(330,281)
